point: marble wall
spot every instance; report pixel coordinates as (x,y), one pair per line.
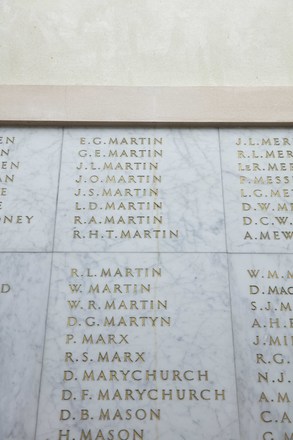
(146,284)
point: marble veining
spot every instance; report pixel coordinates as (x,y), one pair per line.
(258,184)
(24,288)
(261,289)
(29,166)
(140,190)
(198,341)
(142,335)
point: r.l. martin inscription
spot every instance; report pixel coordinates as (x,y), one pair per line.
(118,334)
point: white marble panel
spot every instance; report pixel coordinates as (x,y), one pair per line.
(258,189)
(140,190)
(24,287)
(29,166)
(262,305)
(172,315)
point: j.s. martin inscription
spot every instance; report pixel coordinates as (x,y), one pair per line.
(119,191)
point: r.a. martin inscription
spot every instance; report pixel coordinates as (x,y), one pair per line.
(124,191)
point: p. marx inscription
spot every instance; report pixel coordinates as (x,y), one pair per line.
(121,333)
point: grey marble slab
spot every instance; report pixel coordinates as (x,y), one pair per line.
(139,340)
(262,305)
(140,190)
(24,288)
(29,167)
(139,346)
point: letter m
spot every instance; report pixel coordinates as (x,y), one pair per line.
(283,397)
(104,415)
(88,376)
(84,436)
(273,274)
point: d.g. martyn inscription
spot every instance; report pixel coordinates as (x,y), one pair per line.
(126,356)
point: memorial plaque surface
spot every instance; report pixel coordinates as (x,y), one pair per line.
(128,357)
(258,188)
(262,289)
(24,289)
(167,256)
(28,187)
(148,190)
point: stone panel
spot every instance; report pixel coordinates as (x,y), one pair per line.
(262,289)
(29,164)
(24,288)
(258,189)
(141,345)
(140,190)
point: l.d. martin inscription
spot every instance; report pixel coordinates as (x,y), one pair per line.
(100,168)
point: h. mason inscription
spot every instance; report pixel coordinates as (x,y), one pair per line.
(146,284)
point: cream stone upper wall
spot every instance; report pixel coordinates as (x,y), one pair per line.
(147,42)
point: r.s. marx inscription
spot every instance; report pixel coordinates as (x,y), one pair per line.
(132,356)
(164,321)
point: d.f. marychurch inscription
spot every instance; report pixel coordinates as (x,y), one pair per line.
(146,284)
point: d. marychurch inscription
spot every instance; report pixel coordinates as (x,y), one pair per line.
(122,334)
(146,284)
